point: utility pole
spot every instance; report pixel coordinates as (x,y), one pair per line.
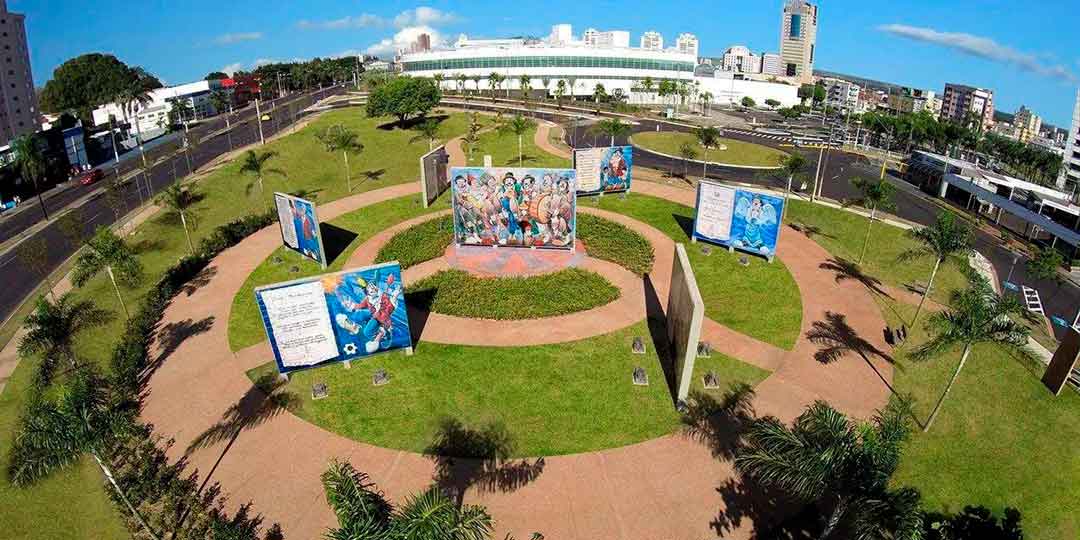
(258,120)
(824,166)
(817,174)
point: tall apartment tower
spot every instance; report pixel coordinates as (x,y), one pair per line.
(966,104)
(18,104)
(1028,124)
(1070,166)
(652,40)
(798,37)
(687,43)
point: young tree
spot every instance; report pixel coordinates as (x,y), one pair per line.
(255,163)
(31,164)
(51,330)
(772,103)
(748,102)
(428,130)
(363,512)
(494,81)
(473,135)
(179,199)
(404,97)
(648,86)
(876,194)
(948,236)
(114,197)
(106,251)
(525,86)
(1046,265)
(599,93)
(518,126)
(33,255)
(560,92)
(708,137)
(975,315)
(687,152)
(791,166)
(54,433)
(840,465)
(612,127)
(340,139)
(706,101)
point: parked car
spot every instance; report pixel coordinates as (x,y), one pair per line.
(89,177)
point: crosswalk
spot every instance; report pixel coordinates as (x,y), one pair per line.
(770,136)
(1031,298)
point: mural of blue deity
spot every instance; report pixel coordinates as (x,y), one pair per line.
(755,224)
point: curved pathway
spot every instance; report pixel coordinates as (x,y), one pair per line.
(670,487)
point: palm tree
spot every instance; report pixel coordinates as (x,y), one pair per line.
(179,199)
(476,83)
(976,315)
(875,194)
(560,92)
(429,130)
(438,80)
(132,96)
(364,513)
(706,99)
(31,164)
(51,330)
(53,434)
(647,85)
(255,163)
(708,137)
(599,92)
(494,80)
(612,127)
(222,103)
(340,139)
(525,85)
(519,126)
(460,78)
(841,466)
(106,251)
(946,237)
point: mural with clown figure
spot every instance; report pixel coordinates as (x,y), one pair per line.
(518,207)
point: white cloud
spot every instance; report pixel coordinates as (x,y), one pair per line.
(421,16)
(982,47)
(404,38)
(228,39)
(232,68)
(424,16)
(262,62)
(364,20)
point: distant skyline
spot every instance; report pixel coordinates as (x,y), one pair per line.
(1028,54)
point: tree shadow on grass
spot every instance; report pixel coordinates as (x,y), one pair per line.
(846,270)
(335,240)
(810,230)
(411,123)
(309,194)
(466,457)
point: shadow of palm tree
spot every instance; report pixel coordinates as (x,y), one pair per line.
(720,423)
(773,515)
(466,457)
(199,281)
(850,271)
(170,336)
(810,230)
(262,402)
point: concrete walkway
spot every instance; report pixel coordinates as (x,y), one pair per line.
(671,487)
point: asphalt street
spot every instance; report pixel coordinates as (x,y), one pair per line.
(212,141)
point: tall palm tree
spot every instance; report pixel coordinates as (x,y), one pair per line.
(647,85)
(875,194)
(255,163)
(560,92)
(525,85)
(51,330)
(519,126)
(340,139)
(132,96)
(364,513)
(31,164)
(612,127)
(429,131)
(179,199)
(52,434)
(976,315)
(107,251)
(599,92)
(476,83)
(948,236)
(841,466)
(494,80)
(706,99)
(708,137)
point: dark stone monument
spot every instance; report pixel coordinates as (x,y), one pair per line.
(638,346)
(294,268)
(744,260)
(380,377)
(278,259)
(319,391)
(710,381)
(640,377)
(704,350)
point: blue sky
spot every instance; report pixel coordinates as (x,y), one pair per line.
(1028,52)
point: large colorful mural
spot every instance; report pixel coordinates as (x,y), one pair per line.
(335,317)
(743,219)
(300,226)
(518,207)
(604,170)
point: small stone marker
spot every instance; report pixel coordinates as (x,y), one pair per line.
(704,350)
(319,391)
(706,250)
(380,377)
(623,195)
(744,260)
(278,259)
(638,346)
(710,381)
(640,377)
(294,268)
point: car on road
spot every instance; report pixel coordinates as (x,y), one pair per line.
(89,177)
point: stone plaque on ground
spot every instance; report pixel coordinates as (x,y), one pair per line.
(638,346)
(319,391)
(710,381)
(640,377)
(744,260)
(706,250)
(380,377)
(704,350)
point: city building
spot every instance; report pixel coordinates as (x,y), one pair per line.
(606,40)
(739,59)
(18,103)
(771,65)
(841,95)
(584,65)
(911,100)
(798,37)
(652,40)
(152,117)
(562,34)
(1027,124)
(967,104)
(422,43)
(1070,167)
(687,44)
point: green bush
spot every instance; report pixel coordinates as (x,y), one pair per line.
(419,243)
(604,239)
(453,292)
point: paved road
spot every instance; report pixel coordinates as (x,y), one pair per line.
(18,282)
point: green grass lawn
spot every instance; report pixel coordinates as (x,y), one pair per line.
(737,152)
(71,504)
(610,241)
(1000,440)
(553,399)
(503,149)
(458,293)
(760,300)
(419,243)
